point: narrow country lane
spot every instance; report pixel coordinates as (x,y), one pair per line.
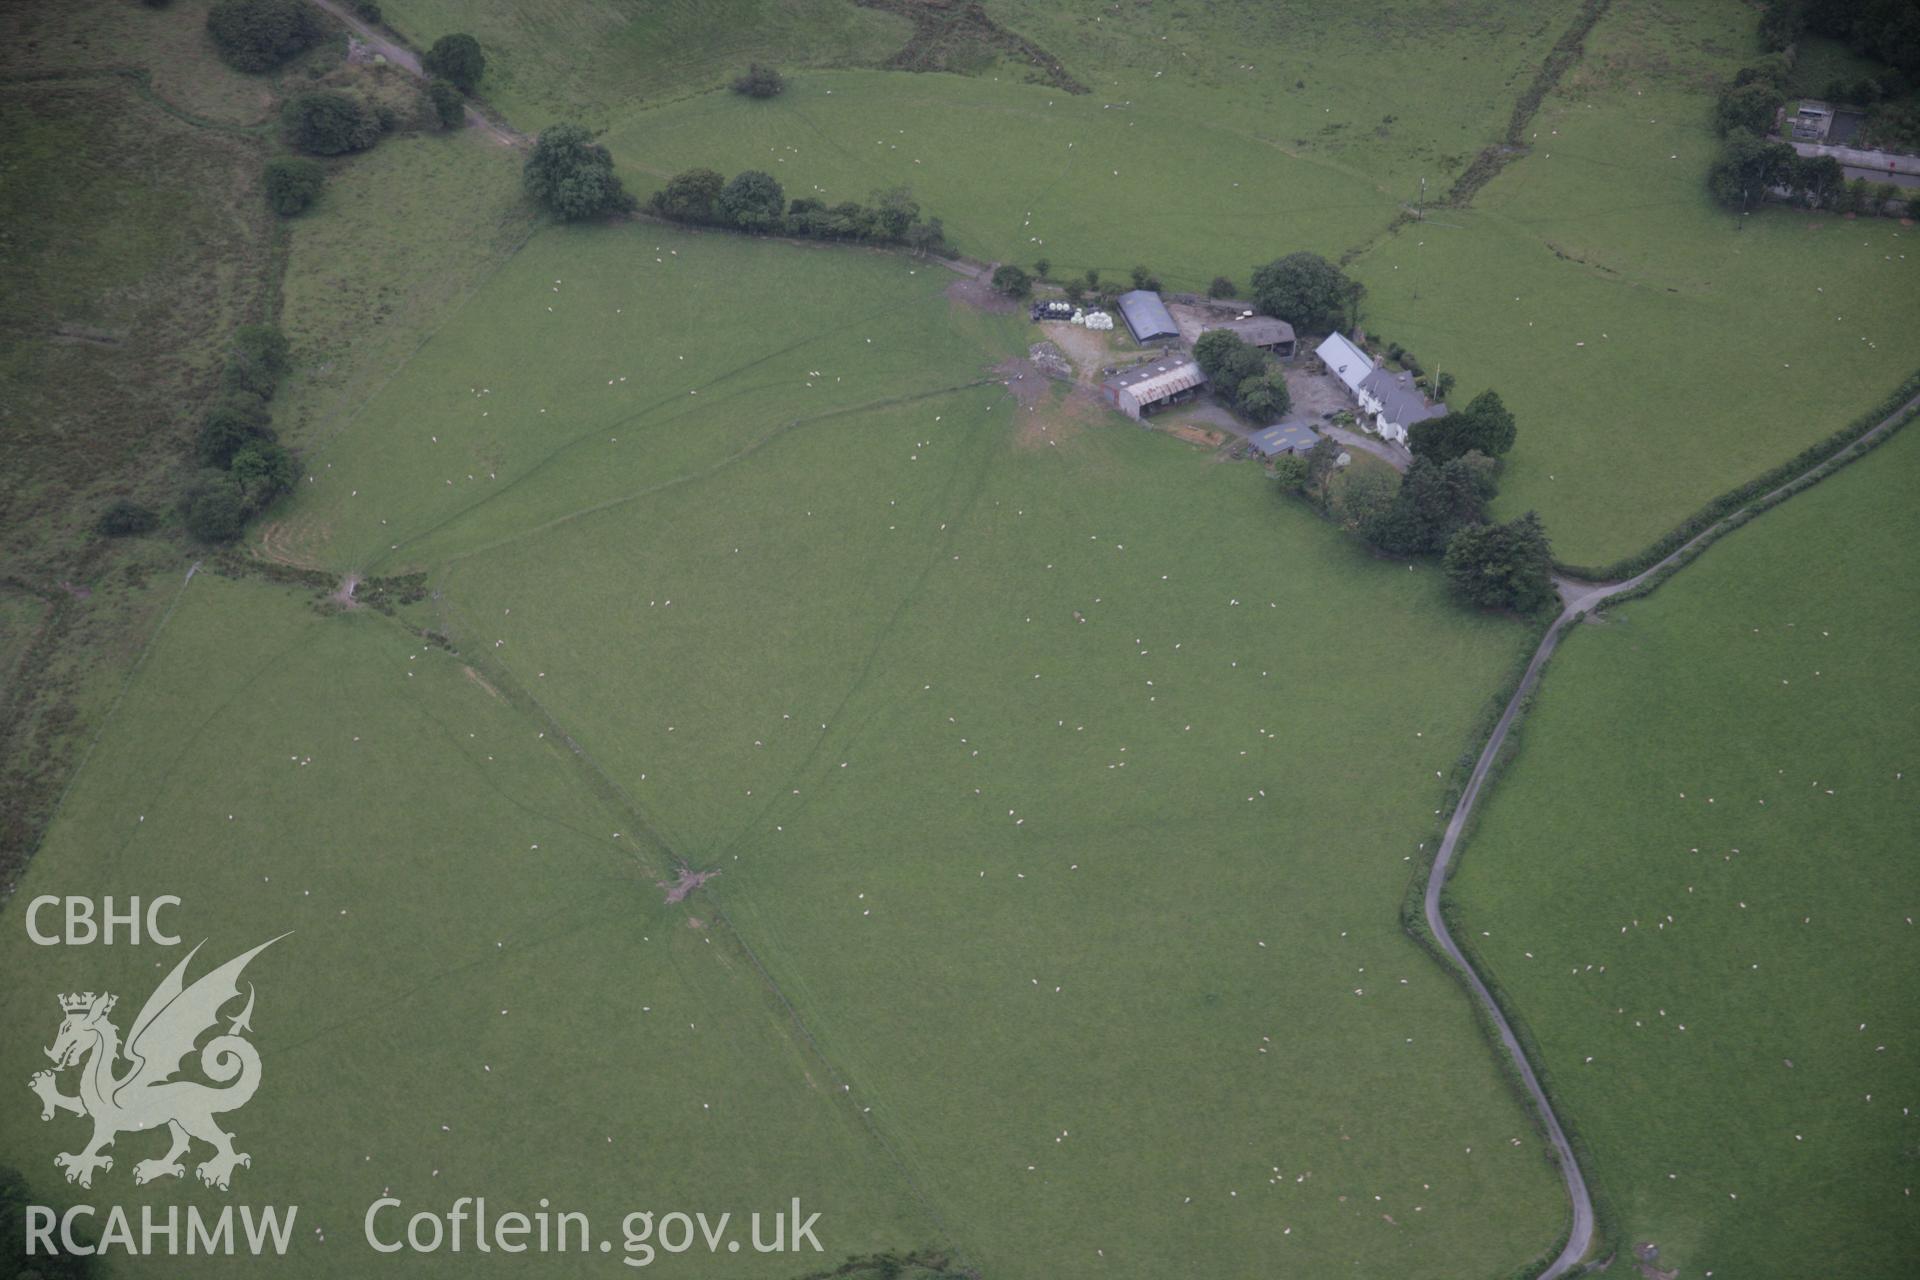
(1579,599)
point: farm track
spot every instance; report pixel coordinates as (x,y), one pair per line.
(1579,599)
(407,60)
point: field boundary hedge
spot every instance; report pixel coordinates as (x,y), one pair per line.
(1492,159)
(1892,412)
(1413,921)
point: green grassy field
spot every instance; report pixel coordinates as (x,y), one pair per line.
(402,235)
(1098,917)
(1656,351)
(552,60)
(136,239)
(482,992)
(685,606)
(1696,885)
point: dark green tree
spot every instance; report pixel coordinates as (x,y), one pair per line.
(1265,397)
(1143,278)
(1075,291)
(1485,425)
(1435,501)
(1746,168)
(1502,566)
(292,184)
(1361,494)
(753,201)
(216,511)
(1042,269)
(572,175)
(368,11)
(259,35)
(759,81)
(1750,106)
(328,122)
(1308,292)
(1012,281)
(457,58)
(224,432)
(124,519)
(1222,288)
(449,104)
(689,196)
(1290,472)
(894,212)
(263,470)
(1229,361)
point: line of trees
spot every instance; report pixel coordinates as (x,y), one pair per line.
(754,202)
(247,465)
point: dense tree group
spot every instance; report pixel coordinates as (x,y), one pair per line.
(249,468)
(1752,167)
(259,35)
(1503,566)
(329,122)
(754,201)
(1242,376)
(1012,281)
(572,175)
(1485,426)
(1435,501)
(1308,292)
(1885,30)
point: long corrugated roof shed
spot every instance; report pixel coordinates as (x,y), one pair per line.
(1150,382)
(1147,316)
(1261,331)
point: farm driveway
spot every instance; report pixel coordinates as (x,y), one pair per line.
(409,61)
(1580,598)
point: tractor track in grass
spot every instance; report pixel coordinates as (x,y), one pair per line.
(1577,600)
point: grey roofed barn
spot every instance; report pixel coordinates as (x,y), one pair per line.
(1287,437)
(1147,316)
(1264,332)
(1137,390)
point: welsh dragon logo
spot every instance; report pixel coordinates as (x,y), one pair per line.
(146,1095)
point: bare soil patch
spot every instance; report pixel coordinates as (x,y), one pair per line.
(1198,435)
(480,680)
(978,294)
(688,881)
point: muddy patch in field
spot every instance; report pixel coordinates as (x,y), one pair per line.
(686,883)
(978,294)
